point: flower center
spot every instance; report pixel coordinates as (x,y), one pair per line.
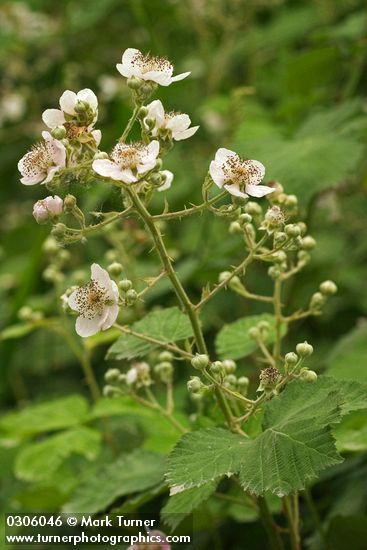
(127,156)
(240,171)
(37,160)
(146,63)
(91,299)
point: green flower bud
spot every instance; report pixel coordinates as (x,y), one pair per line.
(229,366)
(101,155)
(165,356)
(308,375)
(69,203)
(291,359)
(243,383)
(50,246)
(81,107)
(308,243)
(244,219)
(131,296)
(303,227)
(143,111)
(59,132)
(115,268)
(155,179)
(279,257)
(194,385)
(200,361)
(328,288)
(125,285)
(274,272)
(112,375)
(292,230)
(254,333)
(303,256)
(304,349)
(231,379)
(216,367)
(291,201)
(134,83)
(253,208)
(279,238)
(109,391)
(317,300)
(59,230)
(25,313)
(234,228)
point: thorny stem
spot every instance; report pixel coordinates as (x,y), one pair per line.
(180,292)
(189,211)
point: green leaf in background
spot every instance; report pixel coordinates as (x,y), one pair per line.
(351,434)
(348,357)
(40,460)
(204,456)
(17,331)
(167,325)
(129,474)
(160,435)
(347,532)
(45,417)
(233,341)
(320,155)
(180,505)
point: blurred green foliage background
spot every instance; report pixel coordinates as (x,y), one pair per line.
(282,81)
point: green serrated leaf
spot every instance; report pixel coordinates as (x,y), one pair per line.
(45,417)
(233,341)
(167,325)
(129,474)
(180,505)
(351,434)
(203,456)
(39,461)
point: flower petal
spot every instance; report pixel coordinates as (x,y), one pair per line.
(112,314)
(127,176)
(87,327)
(222,155)
(185,134)
(53,117)
(216,173)
(178,123)
(160,77)
(107,168)
(256,171)
(97,134)
(73,301)
(259,190)
(234,190)
(50,173)
(180,76)
(68,101)
(100,275)
(156,111)
(168,181)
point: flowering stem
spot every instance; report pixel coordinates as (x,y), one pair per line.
(180,292)
(189,211)
(130,124)
(278,317)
